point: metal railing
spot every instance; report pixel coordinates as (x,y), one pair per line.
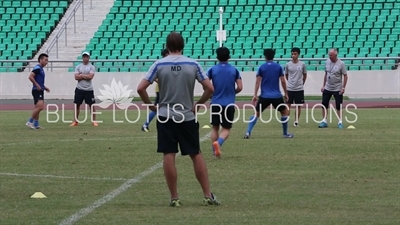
(318,63)
(64,26)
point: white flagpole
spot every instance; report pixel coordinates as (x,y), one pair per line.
(221,11)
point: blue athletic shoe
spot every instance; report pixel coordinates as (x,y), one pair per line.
(322,125)
(340,126)
(288,136)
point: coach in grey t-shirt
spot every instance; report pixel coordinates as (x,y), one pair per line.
(335,82)
(334,72)
(85,69)
(296,74)
(180,73)
(84,74)
(176,123)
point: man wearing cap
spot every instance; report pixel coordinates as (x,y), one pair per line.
(84,74)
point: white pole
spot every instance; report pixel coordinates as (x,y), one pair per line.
(221,11)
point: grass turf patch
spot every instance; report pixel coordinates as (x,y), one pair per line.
(322,176)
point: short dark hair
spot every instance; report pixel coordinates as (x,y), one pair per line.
(41,56)
(175,42)
(269,53)
(164,52)
(296,50)
(223,54)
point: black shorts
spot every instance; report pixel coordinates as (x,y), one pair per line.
(327,95)
(81,95)
(296,97)
(157,98)
(37,95)
(222,115)
(170,134)
(263,103)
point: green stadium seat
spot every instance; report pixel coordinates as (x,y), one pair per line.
(24,26)
(137,29)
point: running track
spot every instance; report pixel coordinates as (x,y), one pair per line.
(28,104)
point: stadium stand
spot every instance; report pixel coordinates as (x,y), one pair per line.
(358,28)
(25,26)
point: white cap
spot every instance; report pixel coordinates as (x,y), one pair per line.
(85,53)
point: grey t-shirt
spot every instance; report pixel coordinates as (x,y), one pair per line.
(334,74)
(84,85)
(295,73)
(176,76)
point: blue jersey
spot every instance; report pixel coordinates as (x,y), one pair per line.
(270,73)
(39,76)
(223,76)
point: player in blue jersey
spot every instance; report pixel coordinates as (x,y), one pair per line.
(224,78)
(152,114)
(268,77)
(37,77)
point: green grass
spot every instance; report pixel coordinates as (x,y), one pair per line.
(322,176)
(248,98)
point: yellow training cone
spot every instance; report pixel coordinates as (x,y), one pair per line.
(351,127)
(206,126)
(38,195)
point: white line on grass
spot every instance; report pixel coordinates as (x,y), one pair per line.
(61,177)
(77,140)
(110,196)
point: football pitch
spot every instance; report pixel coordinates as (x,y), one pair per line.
(111,174)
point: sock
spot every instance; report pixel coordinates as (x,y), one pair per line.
(284,120)
(340,121)
(324,120)
(30,120)
(220,141)
(35,123)
(151,117)
(253,122)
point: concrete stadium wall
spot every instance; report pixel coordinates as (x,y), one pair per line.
(361,84)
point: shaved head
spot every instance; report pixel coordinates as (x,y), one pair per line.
(333,54)
(333,51)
